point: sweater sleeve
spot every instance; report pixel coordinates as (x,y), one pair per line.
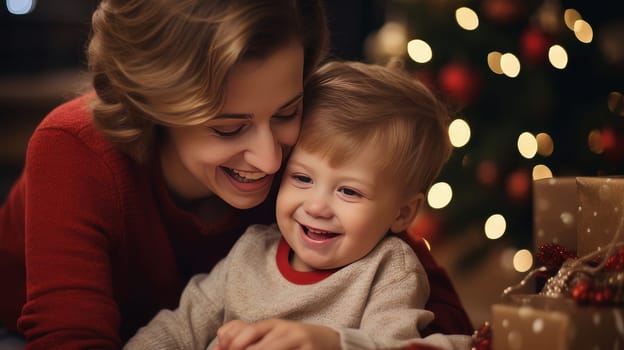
(194,324)
(395,312)
(444,302)
(72,212)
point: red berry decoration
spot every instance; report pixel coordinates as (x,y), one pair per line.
(581,291)
(482,338)
(553,255)
(616,261)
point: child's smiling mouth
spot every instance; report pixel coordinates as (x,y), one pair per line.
(318,235)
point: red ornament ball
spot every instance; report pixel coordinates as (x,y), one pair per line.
(534,46)
(518,185)
(504,11)
(460,83)
(487,173)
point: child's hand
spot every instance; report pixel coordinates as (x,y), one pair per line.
(276,334)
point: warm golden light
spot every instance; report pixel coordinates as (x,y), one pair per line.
(594,141)
(545,145)
(615,102)
(570,16)
(419,51)
(439,195)
(459,133)
(541,171)
(494,62)
(510,65)
(583,31)
(495,226)
(527,145)
(392,38)
(558,56)
(467,18)
(522,260)
(426,243)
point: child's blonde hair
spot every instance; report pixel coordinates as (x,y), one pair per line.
(349,106)
(157,62)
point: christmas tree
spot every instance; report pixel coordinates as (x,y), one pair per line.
(535,88)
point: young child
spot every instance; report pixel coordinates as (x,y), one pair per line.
(372,142)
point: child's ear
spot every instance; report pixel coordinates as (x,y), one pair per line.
(407,213)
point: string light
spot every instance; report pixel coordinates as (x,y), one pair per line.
(392,38)
(583,31)
(439,195)
(541,171)
(495,226)
(594,141)
(419,51)
(558,56)
(545,145)
(20,7)
(570,16)
(510,65)
(494,62)
(523,260)
(459,133)
(467,18)
(527,145)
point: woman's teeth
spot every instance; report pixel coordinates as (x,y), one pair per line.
(245,176)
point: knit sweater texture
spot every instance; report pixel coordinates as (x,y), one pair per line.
(92,245)
(376,302)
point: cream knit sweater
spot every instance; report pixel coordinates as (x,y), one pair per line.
(374,303)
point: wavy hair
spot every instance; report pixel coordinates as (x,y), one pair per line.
(350,106)
(165,62)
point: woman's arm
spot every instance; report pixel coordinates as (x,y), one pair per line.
(71,213)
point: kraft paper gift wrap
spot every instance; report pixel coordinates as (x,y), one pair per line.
(600,212)
(538,322)
(554,212)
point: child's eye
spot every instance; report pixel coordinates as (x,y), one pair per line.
(349,192)
(227,131)
(302,178)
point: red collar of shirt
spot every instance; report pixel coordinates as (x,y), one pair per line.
(292,275)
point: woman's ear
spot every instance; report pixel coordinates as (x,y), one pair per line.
(407,213)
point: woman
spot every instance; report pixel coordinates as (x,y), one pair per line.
(128,191)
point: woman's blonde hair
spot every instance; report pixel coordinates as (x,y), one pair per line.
(350,106)
(160,62)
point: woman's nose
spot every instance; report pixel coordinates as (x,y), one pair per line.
(265,152)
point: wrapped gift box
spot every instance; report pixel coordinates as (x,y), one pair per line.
(538,322)
(554,212)
(600,213)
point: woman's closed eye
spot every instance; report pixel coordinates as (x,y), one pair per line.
(227,130)
(289,114)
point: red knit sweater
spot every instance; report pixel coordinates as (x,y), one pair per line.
(92,245)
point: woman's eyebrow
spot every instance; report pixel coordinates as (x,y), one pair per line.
(250,115)
(292,100)
(234,116)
